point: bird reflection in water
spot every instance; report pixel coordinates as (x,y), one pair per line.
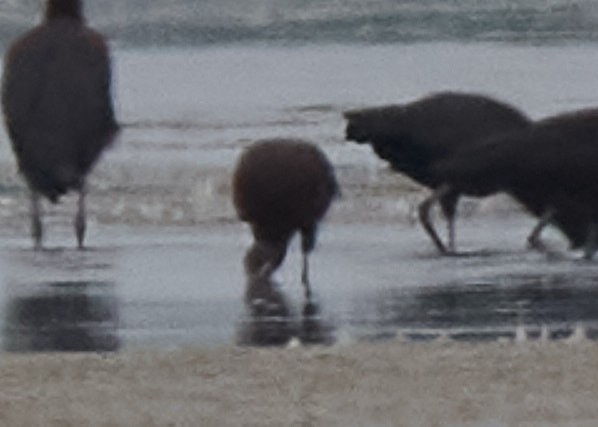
(69,316)
(271,321)
(513,307)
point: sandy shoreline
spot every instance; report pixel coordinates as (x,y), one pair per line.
(439,384)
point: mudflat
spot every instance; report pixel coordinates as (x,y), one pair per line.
(392,384)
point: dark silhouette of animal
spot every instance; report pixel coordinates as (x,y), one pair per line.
(57,107)
(280,187)
(550,168)
(413,137)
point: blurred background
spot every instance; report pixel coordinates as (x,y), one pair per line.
(135,23)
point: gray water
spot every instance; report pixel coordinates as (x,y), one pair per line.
(196,82)
(216,22)
(185,287)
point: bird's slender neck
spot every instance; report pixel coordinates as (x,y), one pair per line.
(56,9)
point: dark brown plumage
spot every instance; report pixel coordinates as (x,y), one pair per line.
(414,137)
(57,106)
(280,187)
(550,168)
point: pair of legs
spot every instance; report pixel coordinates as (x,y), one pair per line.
(448,200)
(269,250)
(37,229)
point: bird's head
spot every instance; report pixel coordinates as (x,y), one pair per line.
(357,128)
(64,9)
(372,124)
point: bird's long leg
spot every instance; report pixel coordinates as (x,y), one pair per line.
(533,239)
(592,242)
(424,216)
(37,229)
(448,204)
(80,218)
(308,242)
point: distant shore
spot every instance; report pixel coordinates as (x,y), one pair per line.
(439,384)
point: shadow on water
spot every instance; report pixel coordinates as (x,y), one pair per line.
(59,300)
(525,307)
(271,321)
(62,316)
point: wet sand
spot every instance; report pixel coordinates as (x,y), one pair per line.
(393,384)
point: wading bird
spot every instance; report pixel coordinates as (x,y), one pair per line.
(549,168)
(281,187)
(414,137)
(58,107)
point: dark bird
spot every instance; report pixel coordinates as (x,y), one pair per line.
(58,107)
(414,137)
(550,168)
(280,187)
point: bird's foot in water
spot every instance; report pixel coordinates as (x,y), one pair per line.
(550,253)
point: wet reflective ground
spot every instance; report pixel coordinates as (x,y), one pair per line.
(164,264)
(184,286)
(63,316)
(521,307)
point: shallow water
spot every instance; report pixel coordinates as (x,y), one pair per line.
(164,266)
(184,286)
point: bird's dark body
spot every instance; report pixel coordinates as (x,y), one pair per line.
(57,103)
(413,137)
(283,184)
(550,166)
(281,187)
